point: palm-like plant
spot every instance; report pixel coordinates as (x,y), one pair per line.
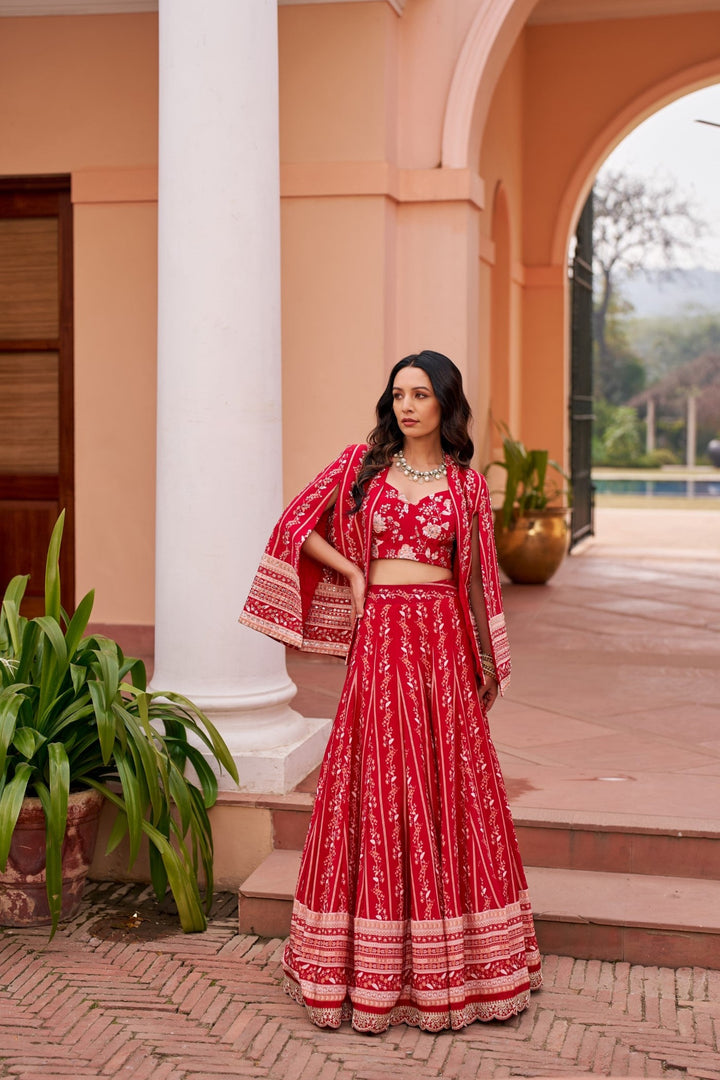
(75,713)
(526,487)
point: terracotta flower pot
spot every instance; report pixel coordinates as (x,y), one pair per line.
(532,546)
(23,900)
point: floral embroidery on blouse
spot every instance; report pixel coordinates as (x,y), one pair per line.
(422,532)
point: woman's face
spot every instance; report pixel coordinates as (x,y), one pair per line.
(416,408)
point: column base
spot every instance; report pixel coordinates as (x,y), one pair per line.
(273,746)
(276,770)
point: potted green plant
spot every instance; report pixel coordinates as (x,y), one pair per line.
(78,725)
(531,534)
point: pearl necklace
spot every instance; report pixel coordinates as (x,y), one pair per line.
(417,475)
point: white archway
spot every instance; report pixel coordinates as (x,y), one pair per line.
(493,33)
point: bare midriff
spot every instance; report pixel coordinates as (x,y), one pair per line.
(405,572)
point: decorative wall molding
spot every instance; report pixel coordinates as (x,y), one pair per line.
(544,277)
(338,178)
(397,5)
(303,181)
(486,250)
(114,185)
(527,277)
(495,28)
(518,274)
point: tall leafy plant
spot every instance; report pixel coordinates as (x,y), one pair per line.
(526,487)
(76,713)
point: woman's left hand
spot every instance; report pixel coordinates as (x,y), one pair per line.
(488,693)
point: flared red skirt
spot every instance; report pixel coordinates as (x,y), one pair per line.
(411,904)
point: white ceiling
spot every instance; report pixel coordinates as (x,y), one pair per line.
(560,11)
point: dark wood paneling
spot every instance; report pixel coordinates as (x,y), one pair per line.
(29,344)
(36,487)
(30,504)
(25,528)
(66,477)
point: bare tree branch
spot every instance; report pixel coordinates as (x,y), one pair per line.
(638,220)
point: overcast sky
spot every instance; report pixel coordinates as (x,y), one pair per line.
(673,146)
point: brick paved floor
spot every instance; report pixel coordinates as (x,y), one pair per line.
(120,992)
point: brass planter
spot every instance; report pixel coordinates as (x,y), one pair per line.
(532,546)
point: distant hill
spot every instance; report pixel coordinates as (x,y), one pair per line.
(656,292)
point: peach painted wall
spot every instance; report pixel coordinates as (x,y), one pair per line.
(338,76)
(437,281)
(337,82)
(115,399)
(80,97)
(501,167)
(431,38)
(371,269)
(500,315)
(336,288)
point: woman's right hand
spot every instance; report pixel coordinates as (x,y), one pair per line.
(357,594)
(318,548)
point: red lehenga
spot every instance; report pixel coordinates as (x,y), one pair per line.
(411,903)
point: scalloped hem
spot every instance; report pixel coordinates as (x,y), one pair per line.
(369,1023)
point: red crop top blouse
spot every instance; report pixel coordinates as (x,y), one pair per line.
(423,532)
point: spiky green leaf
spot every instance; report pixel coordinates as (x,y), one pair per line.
(52,570)
(10,805)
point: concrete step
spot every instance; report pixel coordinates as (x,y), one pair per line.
(639,918)
(619,844)
(265,898)
(611,843)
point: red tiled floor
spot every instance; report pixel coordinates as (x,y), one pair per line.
(104,1002)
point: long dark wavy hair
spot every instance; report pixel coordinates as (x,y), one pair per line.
(387,439)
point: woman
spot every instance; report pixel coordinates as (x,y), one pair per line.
(411,904)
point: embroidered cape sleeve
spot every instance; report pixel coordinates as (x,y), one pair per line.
(491,585)
(292,598)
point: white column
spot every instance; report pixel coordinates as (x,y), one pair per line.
(691,441)
(219,481)
(650,427)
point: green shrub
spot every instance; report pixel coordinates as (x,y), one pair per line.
(75,713)
(622,439)
(657,458)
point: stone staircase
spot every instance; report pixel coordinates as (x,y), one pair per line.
(603,890)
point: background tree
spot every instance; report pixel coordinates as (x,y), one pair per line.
(665,343)
(619,373)
(700,377)
(639,221)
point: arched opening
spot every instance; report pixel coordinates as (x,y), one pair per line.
(629,462)
(635,111)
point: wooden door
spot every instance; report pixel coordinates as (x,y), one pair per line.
(36,381)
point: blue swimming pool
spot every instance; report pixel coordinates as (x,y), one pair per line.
(687,489)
